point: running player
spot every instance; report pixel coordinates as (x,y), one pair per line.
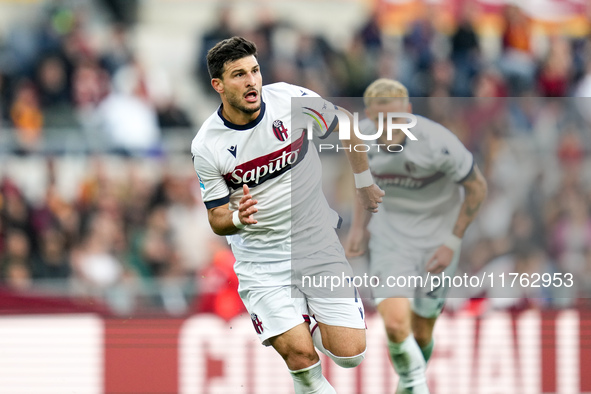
(249,155)
(420,227)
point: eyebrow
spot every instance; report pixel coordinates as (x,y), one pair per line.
(243,70)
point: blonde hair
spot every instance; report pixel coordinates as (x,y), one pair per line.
(383,90)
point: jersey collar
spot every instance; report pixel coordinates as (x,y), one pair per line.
(247,126)
(402,143)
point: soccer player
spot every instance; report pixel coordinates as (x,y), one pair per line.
(420,227)
(250,156)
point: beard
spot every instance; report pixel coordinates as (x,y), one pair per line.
(235,102)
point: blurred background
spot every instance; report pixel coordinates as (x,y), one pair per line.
(100,209)
(99,101)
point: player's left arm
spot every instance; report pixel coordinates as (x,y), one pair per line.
(452,158)
(475,188)
(370,194)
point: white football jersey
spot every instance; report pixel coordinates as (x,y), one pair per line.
(273,157)
(422,185)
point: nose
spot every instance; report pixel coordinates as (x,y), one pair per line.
(250,80)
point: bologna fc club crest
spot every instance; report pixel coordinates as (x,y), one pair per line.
(256,322)
(279,130)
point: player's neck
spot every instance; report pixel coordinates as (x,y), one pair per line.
(236,116)
(398,138)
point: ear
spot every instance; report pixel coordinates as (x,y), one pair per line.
(218,85)
(367,113)
(409,108)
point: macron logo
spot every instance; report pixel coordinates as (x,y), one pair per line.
(232,150)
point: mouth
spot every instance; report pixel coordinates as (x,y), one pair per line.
(251,96)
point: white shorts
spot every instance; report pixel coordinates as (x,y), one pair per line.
(405,266)
(276,300)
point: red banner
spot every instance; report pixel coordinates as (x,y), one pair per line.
(524,353)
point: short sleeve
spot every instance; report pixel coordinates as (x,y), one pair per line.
(315,110)
(214,190)
(451,155)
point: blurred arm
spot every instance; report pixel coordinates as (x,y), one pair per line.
(371,195)
(475,192)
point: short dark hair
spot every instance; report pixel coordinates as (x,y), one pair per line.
(228,50)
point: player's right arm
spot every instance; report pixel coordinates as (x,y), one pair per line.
(223,221)
(216,195)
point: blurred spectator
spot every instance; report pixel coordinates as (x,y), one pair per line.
(555,76)
(55,93)
(26,116)
(570,150)
(18,248)
(15,209)
(94,263)
(263,35)
(119,52)
(52,81)
(525,260)
(442,78)
(153,245)
(309,54)
(361,68)
(18,277)
(53,261)
(170,115)
(222,29)
(517,62)
(571,234)
(191,235)
(583,281)
(584,87)
(465,52)
(523,230)
(517,30)
(4,98)
(483,115)
(125,116)
(371,34)
(90,84)
(219,287)
(123,11)
(15,264)
(418,43)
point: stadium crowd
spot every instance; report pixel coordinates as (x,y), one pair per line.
(131,218)
(54,75)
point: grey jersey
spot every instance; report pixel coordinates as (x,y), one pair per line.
(271,156)
(422,185)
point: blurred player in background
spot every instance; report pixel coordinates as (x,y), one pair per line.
(245,156)
(420,227)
